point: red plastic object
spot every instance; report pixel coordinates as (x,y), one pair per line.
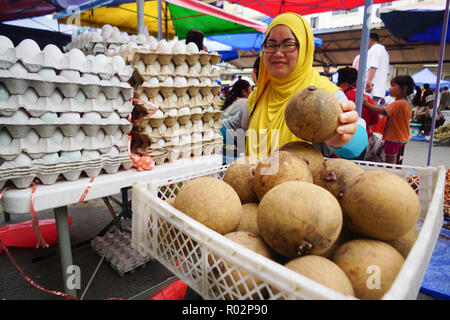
(379,127)
(22,234)
(174,291)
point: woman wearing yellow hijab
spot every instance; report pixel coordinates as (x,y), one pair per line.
(286,68)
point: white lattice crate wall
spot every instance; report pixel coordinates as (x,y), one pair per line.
(194,252)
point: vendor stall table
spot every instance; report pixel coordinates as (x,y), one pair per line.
(61,194)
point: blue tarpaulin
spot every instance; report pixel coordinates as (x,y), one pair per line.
(436,281)
(426,76)
(420,23)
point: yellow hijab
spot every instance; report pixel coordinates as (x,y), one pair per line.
(267,102)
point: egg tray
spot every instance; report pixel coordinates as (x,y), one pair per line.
(115,245)
(22,176)
(162,154)
(75,59)
(143,120)
(18,85)
(145,73)
(164,104)
(166,91)
(145,113)
(152,135)
(149,56)
(36,146)
(36,106)
(92,46)
(19,129)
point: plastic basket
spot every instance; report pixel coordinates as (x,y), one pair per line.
(206,260)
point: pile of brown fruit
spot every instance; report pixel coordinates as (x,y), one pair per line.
(327,219)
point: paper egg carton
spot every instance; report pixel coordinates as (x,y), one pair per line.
(115,245)
(161,72)
(35,145)
(17,84)
(178,141)
(22,176)
(29,55)
(151,101)
(36,106)
(20,124)
(108,40)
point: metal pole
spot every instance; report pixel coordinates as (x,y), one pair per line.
(362,68)
(65,250)
(140,16)
(438,79)
(159,20)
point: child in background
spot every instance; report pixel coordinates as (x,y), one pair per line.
(347,82)
(396,130)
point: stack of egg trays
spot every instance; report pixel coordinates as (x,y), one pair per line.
(193,129)
(61,114)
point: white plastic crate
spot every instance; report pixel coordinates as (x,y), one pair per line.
(194,252)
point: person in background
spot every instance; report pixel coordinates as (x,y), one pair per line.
(425,93)
(286,67)
(444,99)
(347,82)
(377,69)
(396,130)
(236,98)
(355,62)
(196,36)
(415,101)
(234,127)
(326,70)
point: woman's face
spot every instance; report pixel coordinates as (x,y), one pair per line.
(280,64)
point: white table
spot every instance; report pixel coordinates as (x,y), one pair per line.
(63,193)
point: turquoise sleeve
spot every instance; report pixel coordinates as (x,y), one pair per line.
(355,146)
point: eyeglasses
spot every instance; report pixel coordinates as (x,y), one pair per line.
(284,47)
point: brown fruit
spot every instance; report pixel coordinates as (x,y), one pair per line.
(335,174)
(323,271)
(230,279)
(312,155)
(211,202)
(239,175)
(405,242)
(371,266)
(280,167)
(248,221)
(296,218)
(312,114)
(380,205)
(170,201)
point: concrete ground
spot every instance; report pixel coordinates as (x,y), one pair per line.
(89,218)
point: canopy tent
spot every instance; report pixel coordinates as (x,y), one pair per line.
(418,23)
(19,9)
(426,76)
(43,37)
(274,8)
(178,17)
